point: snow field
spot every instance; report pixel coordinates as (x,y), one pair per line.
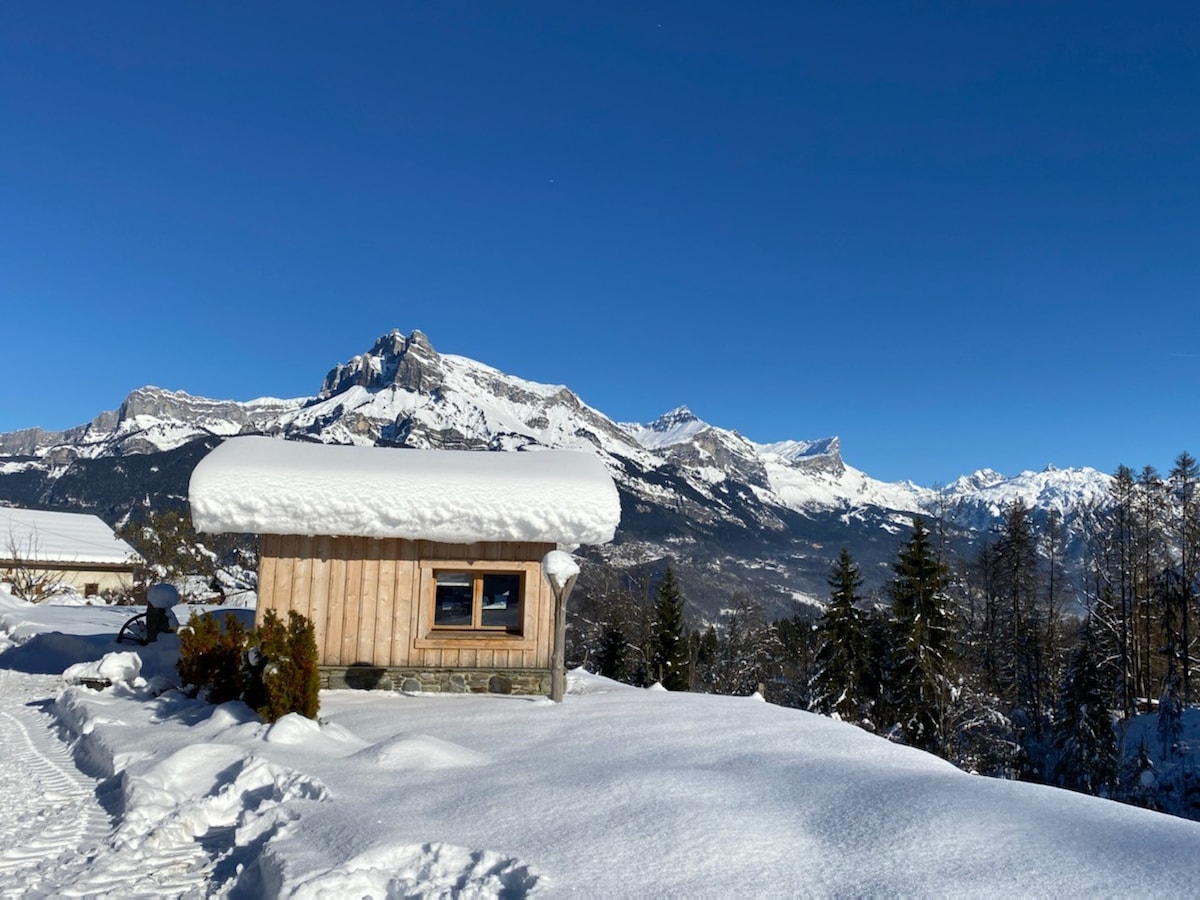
(616,792)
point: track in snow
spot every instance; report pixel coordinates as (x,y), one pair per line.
(55,838)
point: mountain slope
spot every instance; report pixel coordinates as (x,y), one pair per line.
(730,513)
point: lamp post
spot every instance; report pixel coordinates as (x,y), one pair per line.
(560,570)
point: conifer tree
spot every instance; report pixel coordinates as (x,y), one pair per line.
(612,658)
(669,652)
(1115,554)
(924,643)
(1151,561)
(1170,719)
(1185,479)
(1083,732)
(837,687)
(1021,669)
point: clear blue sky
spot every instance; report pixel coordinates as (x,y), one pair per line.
(955,234)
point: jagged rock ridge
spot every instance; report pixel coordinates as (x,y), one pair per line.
(730,512)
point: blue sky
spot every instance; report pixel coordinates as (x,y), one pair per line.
(955,234)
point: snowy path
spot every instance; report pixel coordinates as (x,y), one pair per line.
(55,837)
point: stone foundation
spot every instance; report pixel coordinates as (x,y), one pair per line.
(437,681)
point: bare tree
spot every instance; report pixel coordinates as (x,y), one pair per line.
(30,581)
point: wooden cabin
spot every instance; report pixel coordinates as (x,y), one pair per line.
(420,569)
(41,550)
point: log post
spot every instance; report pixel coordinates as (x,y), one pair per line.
(561,571)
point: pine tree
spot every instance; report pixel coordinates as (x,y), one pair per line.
(1083,732)
(1170,719)
(797,654)
(924,643)
(1115,553)
(837,687)
(669,652)
(1021,668)
(1185,480)
(612,658)
(1151,561)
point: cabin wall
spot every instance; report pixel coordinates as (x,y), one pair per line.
(371,604)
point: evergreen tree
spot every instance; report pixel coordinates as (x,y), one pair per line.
(1151,561)
(837,687)
(1114,554)
(1083,733)
(669,652)
(1185,480)
(1021,671)
(1170,719)
(797,654)
(924,643)
(612,657)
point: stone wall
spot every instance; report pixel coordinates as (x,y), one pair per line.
(437,681)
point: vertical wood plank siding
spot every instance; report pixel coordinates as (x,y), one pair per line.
(364,597)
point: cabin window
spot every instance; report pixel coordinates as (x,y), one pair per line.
(478,601)
(91,589)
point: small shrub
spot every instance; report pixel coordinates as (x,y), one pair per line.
(210,658)
(285,676)
(273,668)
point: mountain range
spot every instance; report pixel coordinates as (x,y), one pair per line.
(728,513)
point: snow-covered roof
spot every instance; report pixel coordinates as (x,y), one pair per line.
(35,535)
(268,486)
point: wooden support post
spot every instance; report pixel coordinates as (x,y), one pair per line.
(558,666)
(560,571)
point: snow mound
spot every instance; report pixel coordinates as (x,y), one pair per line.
(115,668)
(420,751)
(423,871)
(581,681)
(292,729)
(298,730)
(201,787)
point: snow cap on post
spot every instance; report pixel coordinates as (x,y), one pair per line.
(162,596)
(262,485)
(559,568)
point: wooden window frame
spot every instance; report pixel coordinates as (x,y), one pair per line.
(477,576)
(431,637)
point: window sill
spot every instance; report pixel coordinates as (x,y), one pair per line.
(473,640)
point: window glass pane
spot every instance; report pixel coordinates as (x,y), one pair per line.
(502,601)
(452,600)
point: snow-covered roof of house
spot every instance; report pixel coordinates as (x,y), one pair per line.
(35,535)
(269,486)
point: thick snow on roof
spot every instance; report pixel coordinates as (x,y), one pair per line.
(268,486)
(36,535)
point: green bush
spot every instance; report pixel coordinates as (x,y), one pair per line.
(273,668)
(211,658)
(285,678)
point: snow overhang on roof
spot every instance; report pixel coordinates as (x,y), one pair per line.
(265,485)
(43,536)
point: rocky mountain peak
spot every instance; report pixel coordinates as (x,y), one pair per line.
(394,360)
(681,415)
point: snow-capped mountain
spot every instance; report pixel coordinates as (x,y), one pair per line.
(731,513)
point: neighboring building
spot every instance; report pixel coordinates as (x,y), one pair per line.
(75,549)
(420,569)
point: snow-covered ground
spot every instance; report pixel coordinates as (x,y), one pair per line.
(137,790)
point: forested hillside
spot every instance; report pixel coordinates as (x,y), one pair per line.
(993,659)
